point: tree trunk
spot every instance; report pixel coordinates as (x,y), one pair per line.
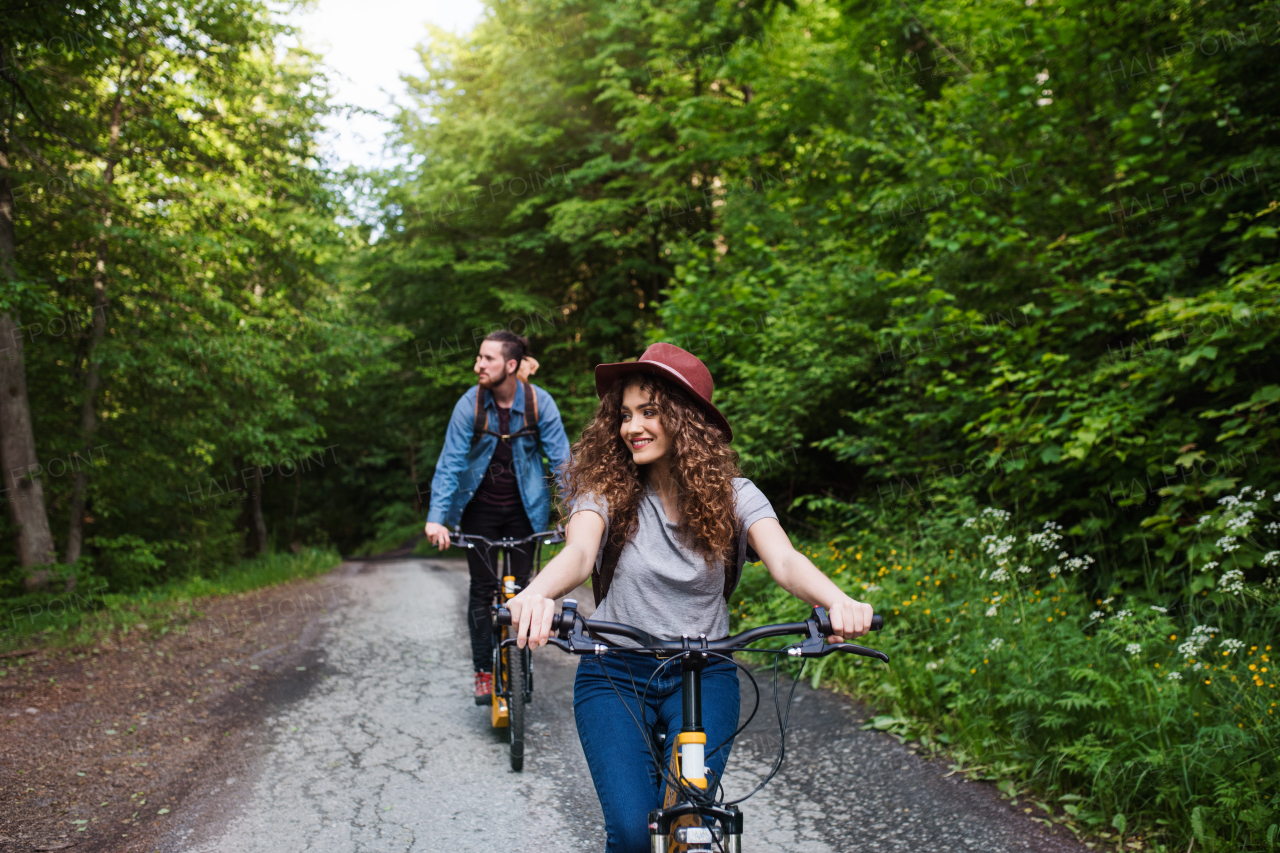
(259,523)
(75,536)
(34,540)
(88,421)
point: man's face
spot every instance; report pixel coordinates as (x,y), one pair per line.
(491,367)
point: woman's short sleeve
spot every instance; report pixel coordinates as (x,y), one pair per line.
(592,503)
(752,506)
(600,506)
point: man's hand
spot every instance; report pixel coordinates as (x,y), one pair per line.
(531,617)
(528,367)
(849,618)
(438,535)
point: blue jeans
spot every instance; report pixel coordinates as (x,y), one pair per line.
(628,784)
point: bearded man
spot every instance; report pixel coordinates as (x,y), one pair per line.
(490,479)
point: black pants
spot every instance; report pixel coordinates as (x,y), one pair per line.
(492,522)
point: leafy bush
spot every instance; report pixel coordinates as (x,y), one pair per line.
(1144,711)
(128,562)
(78,615)
(394,524)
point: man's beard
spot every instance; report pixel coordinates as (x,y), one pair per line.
(489,385)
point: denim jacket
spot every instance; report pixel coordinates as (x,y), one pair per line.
(462,466)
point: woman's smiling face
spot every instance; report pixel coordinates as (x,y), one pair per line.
(641,429)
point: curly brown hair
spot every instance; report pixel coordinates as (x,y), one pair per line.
(704,468)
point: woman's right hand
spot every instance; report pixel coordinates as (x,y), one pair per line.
(531,617)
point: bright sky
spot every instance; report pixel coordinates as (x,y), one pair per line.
(369,44)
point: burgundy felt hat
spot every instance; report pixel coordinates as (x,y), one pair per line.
(684,368)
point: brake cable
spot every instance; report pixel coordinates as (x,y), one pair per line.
(694,794)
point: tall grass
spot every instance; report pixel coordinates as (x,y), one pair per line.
(80,616)
(1141,716)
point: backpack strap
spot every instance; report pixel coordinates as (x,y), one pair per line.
(602,575)
(732,570)
(531,424)
(530,405)
(481,425)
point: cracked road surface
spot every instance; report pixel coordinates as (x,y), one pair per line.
(385,752)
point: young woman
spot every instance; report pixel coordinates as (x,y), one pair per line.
(654,476)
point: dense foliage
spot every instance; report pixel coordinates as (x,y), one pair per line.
(1151,718)
(1017,254)
(181,325)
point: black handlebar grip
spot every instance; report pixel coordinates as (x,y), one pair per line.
(824,621)
(503,617)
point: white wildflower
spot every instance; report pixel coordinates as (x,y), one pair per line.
(1200,637)
(1109,600)
(1174,676)
(1231,645)
(1203,519)
(1097,614)
(1212,564)
(1274,526)
(970,522)
(999,515)
(1048,538)
(931,665)
(1042,77)
(1061,555)
(999,575)
(1271,558)
(1077,563)
(1232,582)
(1024,569)
(1161,609)
(1133,648)
(996,643)
(997,547)
(991,611)
(1240,523)
(1228,544)
(1229,501)
(1122,615)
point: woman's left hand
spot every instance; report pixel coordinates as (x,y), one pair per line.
(849,618)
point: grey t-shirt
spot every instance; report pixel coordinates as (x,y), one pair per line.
(660,585)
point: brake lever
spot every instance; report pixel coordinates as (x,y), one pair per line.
(563,645)
(853,649)
(816,646)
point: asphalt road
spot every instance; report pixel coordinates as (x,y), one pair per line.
(381,749)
